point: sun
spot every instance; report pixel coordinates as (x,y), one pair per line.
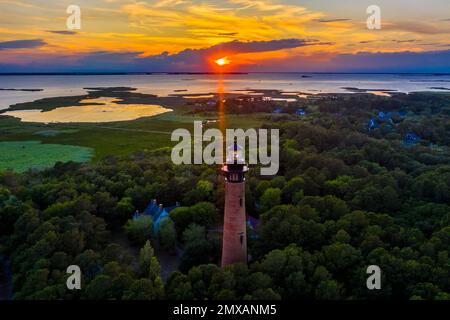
(222,61)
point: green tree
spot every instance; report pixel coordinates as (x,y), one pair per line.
(145,258)
(143,289)
(178,287)
(328,290)
(294,185)
(194,233)
(167,235)
(340,257)
(202,192)
(98,289)
(203,213)
(119,285)
(270,198)
(195,253)
(124,208)
(139,229)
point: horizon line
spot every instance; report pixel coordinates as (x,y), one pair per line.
(210,73)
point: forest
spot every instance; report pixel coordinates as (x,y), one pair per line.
(363,180)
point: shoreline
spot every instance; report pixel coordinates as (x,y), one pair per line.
(164,86)
(97,110)
(128,96)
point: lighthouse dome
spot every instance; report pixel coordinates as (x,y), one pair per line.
(235,154)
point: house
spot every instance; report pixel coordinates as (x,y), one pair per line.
(278,111)
(373,124)
(157,212)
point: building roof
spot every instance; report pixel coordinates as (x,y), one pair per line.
(157,212)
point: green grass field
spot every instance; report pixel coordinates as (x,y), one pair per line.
(23,155)
(104,139)
(113,138)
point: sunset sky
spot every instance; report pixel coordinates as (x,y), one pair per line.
(188,35)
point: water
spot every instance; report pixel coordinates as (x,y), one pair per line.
(165,84)
(108,111)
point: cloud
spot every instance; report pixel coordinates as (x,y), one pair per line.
(65,32)
(21,44)
(262,53)
(202,21)
(417,27)
(431,61)
(228,34)
(405,41)
(169,3)
(255,46)
(188,60)
(386,40)
(196,59)
(333,20)
(362,62)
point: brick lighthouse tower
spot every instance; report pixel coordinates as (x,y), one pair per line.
(234,244)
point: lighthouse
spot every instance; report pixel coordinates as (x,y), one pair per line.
(234,242)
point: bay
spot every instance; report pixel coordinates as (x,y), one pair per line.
(166,84)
